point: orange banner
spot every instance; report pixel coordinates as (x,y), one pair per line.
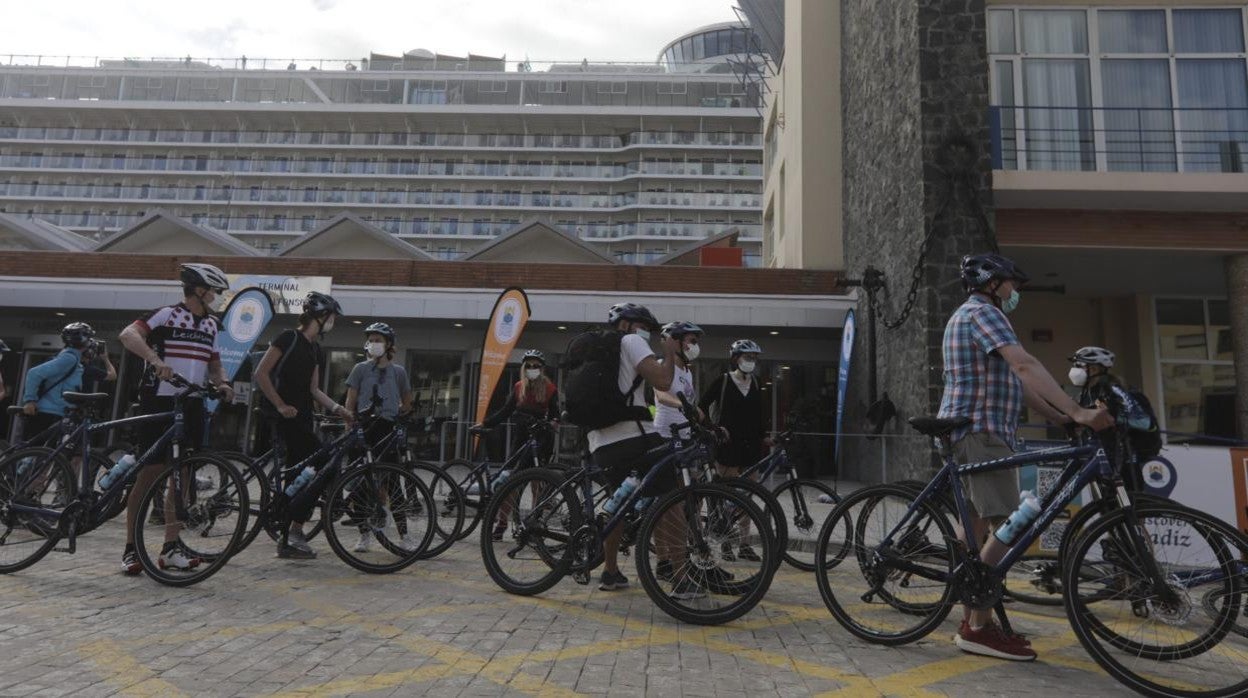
(1239,475)
(511,313)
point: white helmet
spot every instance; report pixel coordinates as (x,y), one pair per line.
(204,275)
(744,346)
(1094,356)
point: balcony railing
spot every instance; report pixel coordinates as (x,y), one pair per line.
(1119,139)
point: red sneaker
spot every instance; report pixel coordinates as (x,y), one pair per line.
(991,641)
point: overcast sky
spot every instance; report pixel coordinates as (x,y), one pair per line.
(622,30)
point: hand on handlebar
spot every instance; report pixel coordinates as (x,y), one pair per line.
(287,411)
(164,371)
(225,392)
(1097,419)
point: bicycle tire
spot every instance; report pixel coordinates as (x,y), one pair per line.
(258,492)
(875,572)
(802,530)
(204,511)
(1209,603)
(448,503)
(44,535)
(547,532)
(702,569)
(379,481)
(1128,583)
(473,487)
(766,501)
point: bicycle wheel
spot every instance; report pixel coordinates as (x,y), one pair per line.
(678,559)
(1214,599)
(473,487)
(258,492)
(875,599)
(380,517)
(542,520)
(448,506)
(1139,619)
(206,507)
(31,477)
(806,503)
(769,505)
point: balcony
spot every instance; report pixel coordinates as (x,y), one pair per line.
(1125,158)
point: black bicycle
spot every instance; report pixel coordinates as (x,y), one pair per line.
(554,529)
(50,494)
(477,481)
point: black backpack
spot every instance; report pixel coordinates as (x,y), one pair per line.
(591,389)
(1145,442)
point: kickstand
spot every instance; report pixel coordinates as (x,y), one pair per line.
(1005,622)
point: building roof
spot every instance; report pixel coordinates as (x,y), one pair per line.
(365,240)
(38,234)
(538,242)
(161,232)
(688,254)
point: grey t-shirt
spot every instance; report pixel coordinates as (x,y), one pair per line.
(389,383)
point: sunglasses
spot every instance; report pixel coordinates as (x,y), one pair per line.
(527,366)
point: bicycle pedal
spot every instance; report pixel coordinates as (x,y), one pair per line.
(581,578)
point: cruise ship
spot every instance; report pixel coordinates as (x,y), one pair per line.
(445,152)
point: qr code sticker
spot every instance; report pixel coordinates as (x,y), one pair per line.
(1051,537)
(1046,480)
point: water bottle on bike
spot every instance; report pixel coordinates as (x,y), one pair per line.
(622,493)
(119,471)
(304,478)
(1028,510)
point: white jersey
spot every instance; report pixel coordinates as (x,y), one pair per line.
(185,342)
(666,415)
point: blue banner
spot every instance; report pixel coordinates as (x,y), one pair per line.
(842,377)
(242,323)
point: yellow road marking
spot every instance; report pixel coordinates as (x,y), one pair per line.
(125,672)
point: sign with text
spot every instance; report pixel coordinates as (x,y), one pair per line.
(244,320)
(287,292)
(511,314)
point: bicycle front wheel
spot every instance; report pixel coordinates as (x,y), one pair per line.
(474,498)
(31,478)
(1141,619)
(448,504)
(806,504)
(205,507)
(378,517)
(258,492)
(541,521)
(678,554)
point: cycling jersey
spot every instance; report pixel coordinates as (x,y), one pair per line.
(186,343)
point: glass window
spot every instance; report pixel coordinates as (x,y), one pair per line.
(1132,31)
(1139,123)
(1054,31)
(699,47)
(1003,83)
(1058,95)
(1220,331)
(1199,398)
(1208,31)
(1181,328)
(1214,95)
(1001,31)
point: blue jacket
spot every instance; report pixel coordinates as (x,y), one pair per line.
(46,378)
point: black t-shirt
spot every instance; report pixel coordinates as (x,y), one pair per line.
(292,376)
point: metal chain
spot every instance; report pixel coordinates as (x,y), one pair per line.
(916,276)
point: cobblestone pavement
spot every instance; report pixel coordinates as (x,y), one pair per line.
(263,626)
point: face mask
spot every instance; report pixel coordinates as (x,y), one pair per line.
(643,333)
(746,366)
(327,326)
(532,373)
(375,349)
(1078,376)
(1009,304)
(692,352)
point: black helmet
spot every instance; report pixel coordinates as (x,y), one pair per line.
(205,275)
(680,328)
(534,354)
(744,346)
(382,329)
(1094,356)
(979,269)
(319,304)
(633,312)
(77,334)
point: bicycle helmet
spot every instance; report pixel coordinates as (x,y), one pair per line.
(77,334)
(205,275)
(319,304)
(535,355)
(382,329)
(680,328)
(744,346)
(633,312)
(979,269)
(1094,356)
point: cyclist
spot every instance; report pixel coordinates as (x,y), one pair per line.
(666,403)
(736,400)
(533,397)
(42,403)
(1090,372)
(987,377)
(382,384)
(289,377)
(181,339)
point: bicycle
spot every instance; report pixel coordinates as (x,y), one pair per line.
(363,497)
(552,528)
(42,495)
(477,481)
(911,572)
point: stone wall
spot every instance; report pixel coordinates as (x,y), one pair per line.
(915,110)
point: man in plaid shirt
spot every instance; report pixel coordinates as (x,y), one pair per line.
(988,376)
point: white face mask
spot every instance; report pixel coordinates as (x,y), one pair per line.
(1078,376)
(375,349)
(692,352)
(643,333)
(532,373)
(745,366)
(327,326)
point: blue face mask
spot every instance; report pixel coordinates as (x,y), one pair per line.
(1009,304)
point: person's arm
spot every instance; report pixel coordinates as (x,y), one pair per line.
(1043,408)
(663,397)
(657,373)
(353,387)
(508,408)
(320,398)
(264,381)
(407,394)
(353,397)
(1037,380)
(34,383)
(110,371)
(134,339)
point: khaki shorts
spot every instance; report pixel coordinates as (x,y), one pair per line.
(994,495)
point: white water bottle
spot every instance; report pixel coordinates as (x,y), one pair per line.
(118,471)
(304,478)
(1028,510)
(501,479)
(625,490)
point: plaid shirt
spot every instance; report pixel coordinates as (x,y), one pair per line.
(978,382)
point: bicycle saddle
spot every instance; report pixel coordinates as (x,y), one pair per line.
(81,399)
(938,427)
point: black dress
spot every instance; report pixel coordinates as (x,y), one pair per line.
(742,415)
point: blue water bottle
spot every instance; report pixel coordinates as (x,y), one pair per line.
(1028,510)
(625,490)
(118,471)
(304,478)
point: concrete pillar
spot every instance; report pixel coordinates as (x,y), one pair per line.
(1237,296)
